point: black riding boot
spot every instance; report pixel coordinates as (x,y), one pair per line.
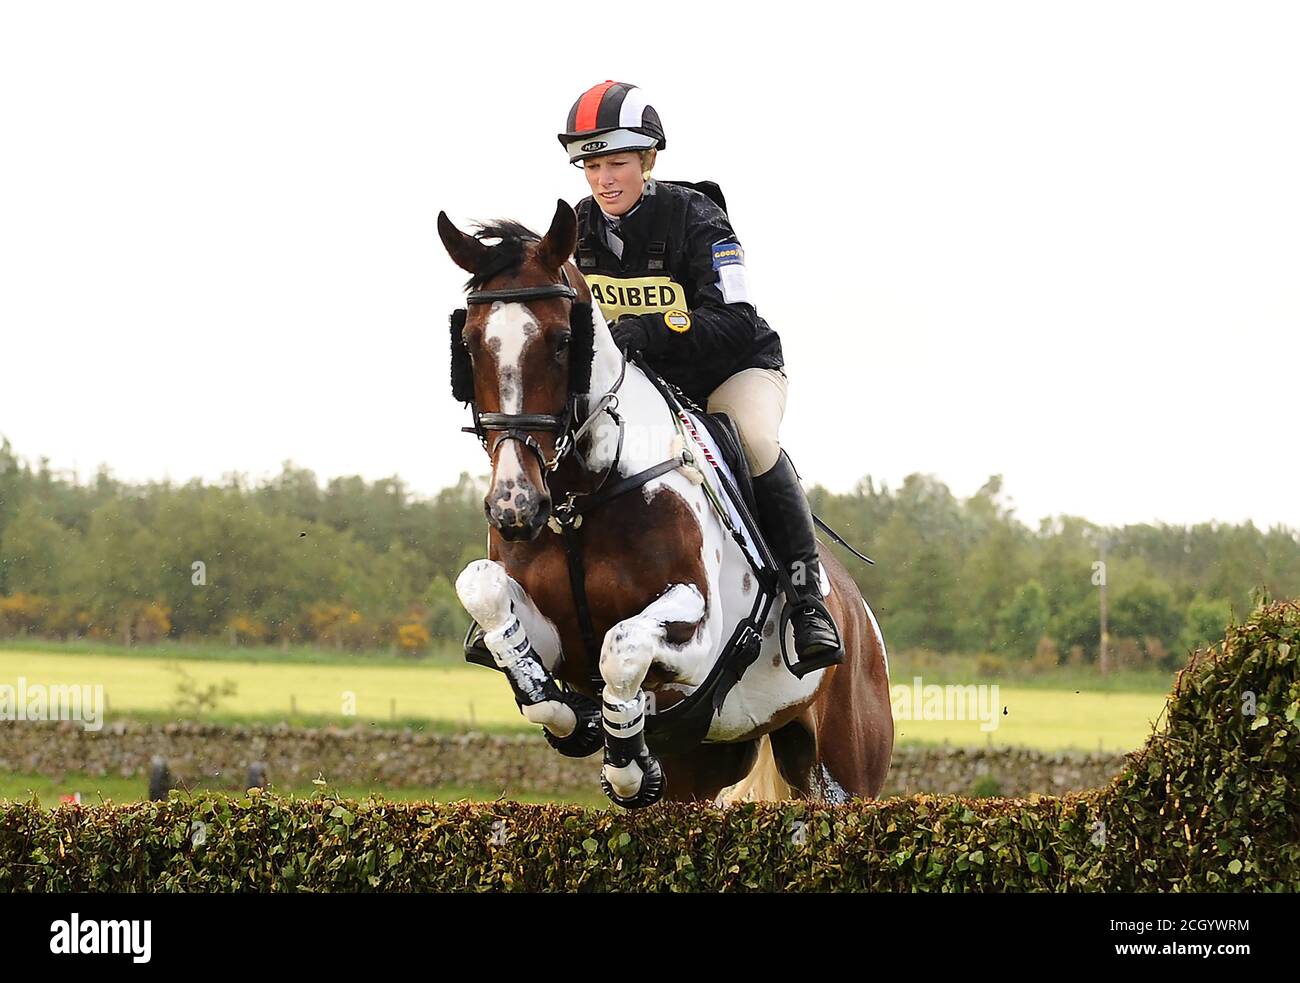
(787,523)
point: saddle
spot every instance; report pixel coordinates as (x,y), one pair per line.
(737,486)
(726,435)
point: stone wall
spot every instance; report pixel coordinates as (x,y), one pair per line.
(1007,771)
(219,756)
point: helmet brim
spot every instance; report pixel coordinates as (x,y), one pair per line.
(609,140)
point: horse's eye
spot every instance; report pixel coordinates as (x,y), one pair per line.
(562,343)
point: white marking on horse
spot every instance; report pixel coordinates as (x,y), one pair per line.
(632,645)
(509,329)
(875,626)
(827,788)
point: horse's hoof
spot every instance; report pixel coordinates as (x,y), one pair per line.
(652,784)
(588,737)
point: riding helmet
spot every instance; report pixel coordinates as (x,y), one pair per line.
(609,117)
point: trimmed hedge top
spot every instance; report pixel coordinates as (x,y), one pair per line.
(1208,804)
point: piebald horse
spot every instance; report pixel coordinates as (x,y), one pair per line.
(563,415)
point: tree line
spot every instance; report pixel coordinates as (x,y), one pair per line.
(364,565)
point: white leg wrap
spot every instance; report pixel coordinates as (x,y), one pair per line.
(623,718)
(626,781)
(558,718)
(483,588)
(508,643)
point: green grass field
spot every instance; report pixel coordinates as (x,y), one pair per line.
(441,653)
(457,695)
(1050,720)
(955,668)
(446,696)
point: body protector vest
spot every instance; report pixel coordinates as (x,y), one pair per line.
(682,272)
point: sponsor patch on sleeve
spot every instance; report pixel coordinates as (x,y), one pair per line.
(735,285)
(727,254)
(678,321)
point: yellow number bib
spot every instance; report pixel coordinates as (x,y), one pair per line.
(635,295)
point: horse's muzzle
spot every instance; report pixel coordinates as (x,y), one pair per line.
(518,518)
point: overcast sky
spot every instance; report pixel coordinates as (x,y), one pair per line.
(1054,241)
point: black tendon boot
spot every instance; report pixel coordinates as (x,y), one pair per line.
(787,523)
(533,683)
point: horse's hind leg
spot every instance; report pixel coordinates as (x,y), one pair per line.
(855,720)
(794,748)
(822,760)
(666,633)
(525,645)
(701,773)
(840,747)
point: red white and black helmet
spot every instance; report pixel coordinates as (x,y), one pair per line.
(610,117)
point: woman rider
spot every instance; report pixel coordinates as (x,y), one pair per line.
(669,275)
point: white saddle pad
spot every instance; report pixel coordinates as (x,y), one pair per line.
(710,458)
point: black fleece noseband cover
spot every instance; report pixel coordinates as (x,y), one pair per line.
(462,372)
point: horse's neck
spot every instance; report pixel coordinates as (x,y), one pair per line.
(648,427)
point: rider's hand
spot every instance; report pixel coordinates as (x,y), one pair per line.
(631,334)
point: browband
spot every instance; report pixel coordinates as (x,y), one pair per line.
(522,293)
(522,421)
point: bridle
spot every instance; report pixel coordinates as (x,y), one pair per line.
(522,426)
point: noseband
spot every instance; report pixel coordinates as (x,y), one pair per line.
(522,426)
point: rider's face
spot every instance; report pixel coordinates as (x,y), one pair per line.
(615,181)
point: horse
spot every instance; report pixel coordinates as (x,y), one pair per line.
(612,580)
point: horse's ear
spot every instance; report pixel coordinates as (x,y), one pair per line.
(465,251)
(561,238)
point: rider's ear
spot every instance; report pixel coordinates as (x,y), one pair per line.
(462,372)
(561,238)
(465,251)
(582,347)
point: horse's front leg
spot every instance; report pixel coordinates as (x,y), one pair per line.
(523,643)
(666,633)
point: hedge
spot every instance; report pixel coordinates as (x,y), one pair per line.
(1207,804)
(213,756)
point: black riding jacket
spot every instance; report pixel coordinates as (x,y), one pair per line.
(682,273)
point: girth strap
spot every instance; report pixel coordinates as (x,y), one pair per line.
(577,583)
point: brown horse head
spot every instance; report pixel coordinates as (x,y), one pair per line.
(521,354)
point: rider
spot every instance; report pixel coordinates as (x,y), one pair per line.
(669,275)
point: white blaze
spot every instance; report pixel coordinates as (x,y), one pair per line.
(509,329)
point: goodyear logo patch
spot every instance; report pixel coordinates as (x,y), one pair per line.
(678,321)
(727,254)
